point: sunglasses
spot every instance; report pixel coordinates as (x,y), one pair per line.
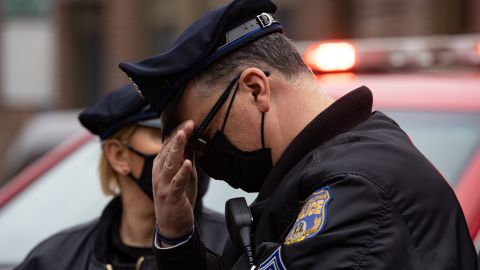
(197,141)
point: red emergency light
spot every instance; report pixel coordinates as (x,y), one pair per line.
(331,56)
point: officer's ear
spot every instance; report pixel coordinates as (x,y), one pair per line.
(117,155)
(255,82)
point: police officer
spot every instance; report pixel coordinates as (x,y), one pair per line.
(340,186)
(121,238)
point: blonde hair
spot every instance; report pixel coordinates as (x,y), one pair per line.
(108,176)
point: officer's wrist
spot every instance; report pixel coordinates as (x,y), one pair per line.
(166,242)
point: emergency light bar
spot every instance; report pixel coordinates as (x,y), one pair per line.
(388,54)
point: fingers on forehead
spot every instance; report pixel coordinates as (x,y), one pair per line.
(175,155)
(187,127)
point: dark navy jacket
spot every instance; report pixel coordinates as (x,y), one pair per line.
(384,205)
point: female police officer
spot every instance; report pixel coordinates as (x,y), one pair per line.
(121,238)
(340,186)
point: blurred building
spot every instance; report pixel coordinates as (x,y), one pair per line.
(27,59)
(94,36)
(63,54)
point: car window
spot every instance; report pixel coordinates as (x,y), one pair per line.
(449,140)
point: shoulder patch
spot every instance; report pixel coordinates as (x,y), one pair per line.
(312,218)
(273,262)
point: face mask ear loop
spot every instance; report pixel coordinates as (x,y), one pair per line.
(229,107)
(136,152)
(262,137)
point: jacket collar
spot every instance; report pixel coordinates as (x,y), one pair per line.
(344,114)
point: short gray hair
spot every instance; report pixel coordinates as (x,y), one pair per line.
(274,51)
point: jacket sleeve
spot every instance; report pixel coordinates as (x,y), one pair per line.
(191,255)
(348,223)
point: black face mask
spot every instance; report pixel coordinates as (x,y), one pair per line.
(145,179)
(240,169)
(222,160)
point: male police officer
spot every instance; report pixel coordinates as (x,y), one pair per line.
(340,187)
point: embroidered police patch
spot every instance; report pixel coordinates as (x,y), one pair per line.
(273,262)
(312,218)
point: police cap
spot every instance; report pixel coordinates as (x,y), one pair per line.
(163,77)
(117,109)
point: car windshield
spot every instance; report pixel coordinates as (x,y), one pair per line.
(70,194)
(449,140)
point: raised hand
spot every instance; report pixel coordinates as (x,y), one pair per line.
(174,182)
